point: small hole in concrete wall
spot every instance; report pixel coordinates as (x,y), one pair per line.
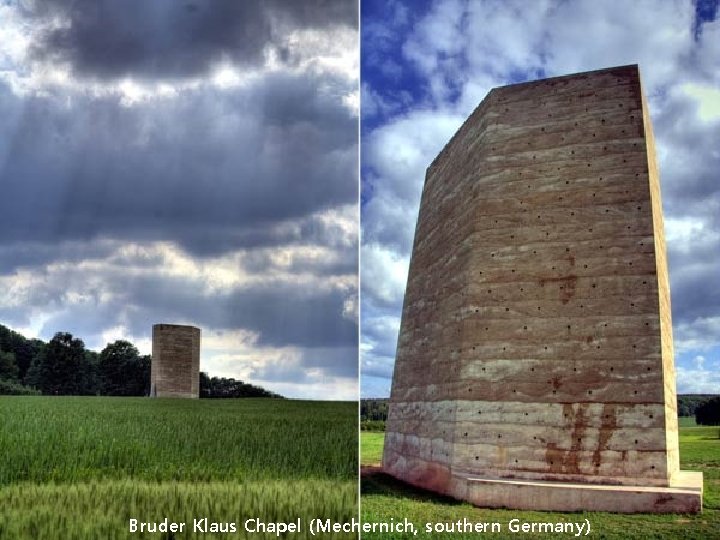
(486,328)
(552,462)
(492,254)
(507,309)
(594,285)
(653,467)
(644,282)
(477,310)
(489,291)
(593,136)
(499,436)
(542,129)
(572,213)
(612,368)
(624,160)
(538,308)
(534,438)
(514,391)
(623,131)
(506,109)
(469,389)
(554,392)
(513,270)
(632,305)
(532,369)
(521,289)
(604,148)
(476,458)
(632,117)
(503,348)
(588,164)
(606,210)
(579,439)
(512,236)
(636,441)
(590,230)
(630,263)
(639,207)
(602,121)
(574,369)
(465,434)
(572,152)
(584,265)
(576,123)
(516,459)
(620,104)
(650,415)
(559,198)
(567,249)
(568,327)
(479,412)
(534,252)
(590,392)
(635,392)
(546,347)
(524,327)
(598,347)
(483,369)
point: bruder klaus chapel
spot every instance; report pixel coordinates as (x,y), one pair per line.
(534,366)
(175,367)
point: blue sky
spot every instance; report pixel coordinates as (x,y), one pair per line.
(426,65)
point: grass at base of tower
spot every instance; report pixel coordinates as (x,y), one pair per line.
(384,499)
(371,447)
(79,467)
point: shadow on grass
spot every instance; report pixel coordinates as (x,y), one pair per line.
(379,483)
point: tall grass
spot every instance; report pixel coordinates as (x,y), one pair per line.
(103,509)
(74,439)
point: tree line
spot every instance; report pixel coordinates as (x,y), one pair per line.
(63,366)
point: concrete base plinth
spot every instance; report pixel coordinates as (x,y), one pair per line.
(683,496)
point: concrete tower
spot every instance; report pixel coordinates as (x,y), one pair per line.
(534,365)
(175,368)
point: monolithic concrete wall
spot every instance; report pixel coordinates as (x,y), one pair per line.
(175,368)
(536,340)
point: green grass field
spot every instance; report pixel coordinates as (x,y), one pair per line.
(81,467)
(383,499)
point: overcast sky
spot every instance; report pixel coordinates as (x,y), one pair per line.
(185,162)
(426,66)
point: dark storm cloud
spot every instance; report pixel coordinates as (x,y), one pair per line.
(173,38)
(284,314)
(28,255)
(209,169)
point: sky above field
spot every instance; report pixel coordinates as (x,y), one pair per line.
(425,67)
(185,162)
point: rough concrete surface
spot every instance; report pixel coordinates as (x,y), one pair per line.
(175,370)
(536,339)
